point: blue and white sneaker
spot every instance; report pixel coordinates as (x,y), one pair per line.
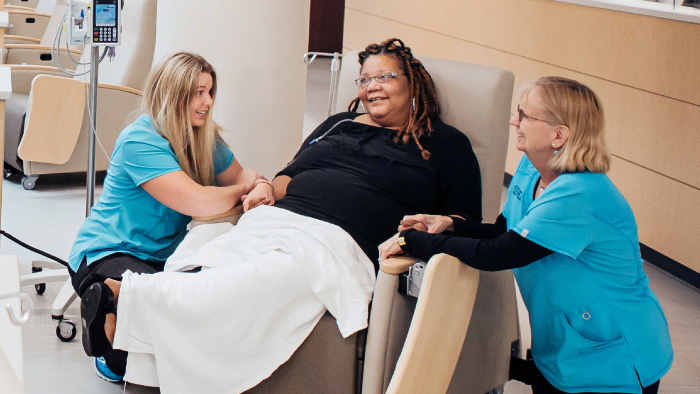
(105,373)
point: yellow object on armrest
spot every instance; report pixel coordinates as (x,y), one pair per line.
(231,216)
(397,265)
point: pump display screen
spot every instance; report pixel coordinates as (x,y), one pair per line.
(105,15)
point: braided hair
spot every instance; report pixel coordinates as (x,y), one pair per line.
(425,107)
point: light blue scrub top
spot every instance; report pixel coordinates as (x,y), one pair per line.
(126,218)
(595,323)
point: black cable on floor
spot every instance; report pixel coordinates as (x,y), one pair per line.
(33,249)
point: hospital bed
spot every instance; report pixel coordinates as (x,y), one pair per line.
(459,334)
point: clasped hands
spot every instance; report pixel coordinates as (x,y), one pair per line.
(263,193)
(433,224)
(259,190)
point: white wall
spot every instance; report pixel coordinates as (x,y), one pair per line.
(256,48)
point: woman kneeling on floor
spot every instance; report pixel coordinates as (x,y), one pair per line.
(571,239)
(167,166)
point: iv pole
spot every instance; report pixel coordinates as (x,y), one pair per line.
(94,65)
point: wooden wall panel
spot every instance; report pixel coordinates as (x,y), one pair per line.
(654,138)
(651,130)
(635,50)
(667,212)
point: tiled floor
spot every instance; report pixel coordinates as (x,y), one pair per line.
(49,217)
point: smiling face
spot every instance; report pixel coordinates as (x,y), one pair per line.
(535,137)
(201,101)
(387,104)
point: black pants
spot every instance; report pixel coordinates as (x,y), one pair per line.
(528,373)
(113,266)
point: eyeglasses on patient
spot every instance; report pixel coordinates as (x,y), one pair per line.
(521,116)
(381,78)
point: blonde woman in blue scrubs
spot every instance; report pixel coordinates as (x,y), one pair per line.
(571,239)
(167,166)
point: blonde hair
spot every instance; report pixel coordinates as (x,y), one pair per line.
(577,107)
(170,86)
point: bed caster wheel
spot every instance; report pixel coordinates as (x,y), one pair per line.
(39,287)
(66,330)
(28,182)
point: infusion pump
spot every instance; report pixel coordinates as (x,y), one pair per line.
(96,22)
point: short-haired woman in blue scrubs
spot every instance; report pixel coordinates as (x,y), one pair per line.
(167,166)
(571,239)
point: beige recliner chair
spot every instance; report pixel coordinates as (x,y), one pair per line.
(457,336)
(27,23)
(37,51)
(118,97)
(475,99)
(22,3)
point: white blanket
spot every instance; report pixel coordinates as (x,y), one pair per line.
(264,285)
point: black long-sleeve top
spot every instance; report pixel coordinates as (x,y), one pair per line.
(358,178)
(487,247)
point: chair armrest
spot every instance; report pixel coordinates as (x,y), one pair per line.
(39,55)
(8,7)
(23,75)
(28,13)
(438,328)
(231,216)
(39,46)
(10,39)
(397,265)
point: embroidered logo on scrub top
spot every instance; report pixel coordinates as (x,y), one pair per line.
(517,192)
(525,233)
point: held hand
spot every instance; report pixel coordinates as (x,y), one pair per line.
(433,224)
(247,178)
(390,248)
(262,193)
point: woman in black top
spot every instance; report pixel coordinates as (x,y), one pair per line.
(364,172)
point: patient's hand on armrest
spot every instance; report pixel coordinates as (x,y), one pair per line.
(262,194)
(390,248)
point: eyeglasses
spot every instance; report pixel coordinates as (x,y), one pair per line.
(521,115)
(381,78)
